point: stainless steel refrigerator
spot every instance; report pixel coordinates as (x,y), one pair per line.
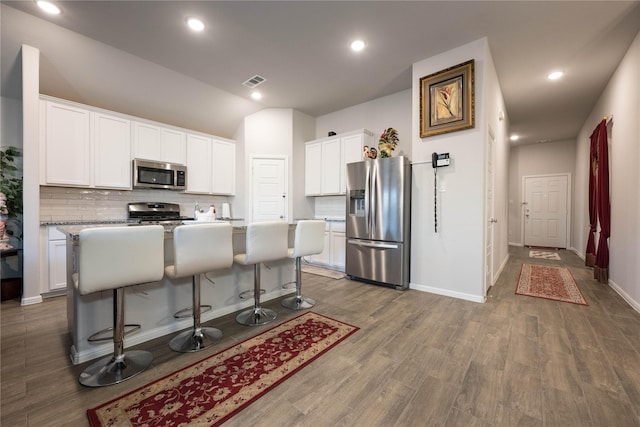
(378,221)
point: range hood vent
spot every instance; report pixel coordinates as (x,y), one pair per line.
(254,81)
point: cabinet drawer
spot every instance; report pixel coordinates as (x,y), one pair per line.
(338,226)
(54,234)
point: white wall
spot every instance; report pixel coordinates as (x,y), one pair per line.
(621,98)
(377,115)
(436,258)
(535,159)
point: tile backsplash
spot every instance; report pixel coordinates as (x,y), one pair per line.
(66,203)
(330,207)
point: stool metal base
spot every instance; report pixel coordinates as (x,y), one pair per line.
(256,316)
(111,370)
(192,340)
(298,303)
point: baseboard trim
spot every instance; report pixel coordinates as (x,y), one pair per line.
(577,252)
(448,293)
(497,274)
(520,245)
(31,300)
(625,296)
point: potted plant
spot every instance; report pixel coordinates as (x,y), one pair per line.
(10,195)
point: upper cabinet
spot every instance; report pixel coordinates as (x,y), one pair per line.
(84,148)
(326,160)
(157,143)
(210,165)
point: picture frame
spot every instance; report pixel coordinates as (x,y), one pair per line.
(447,100)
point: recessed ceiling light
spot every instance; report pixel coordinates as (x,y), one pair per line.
(49,7)
(357,45)
(514,137)
(555,75)
(195,24)
(256,95)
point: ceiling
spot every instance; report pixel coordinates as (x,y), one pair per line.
(302,48)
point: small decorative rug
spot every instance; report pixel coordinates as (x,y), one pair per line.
(319,271)
(211,391)
(544,255)
(554,283)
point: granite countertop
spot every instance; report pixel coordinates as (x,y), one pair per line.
(88,221)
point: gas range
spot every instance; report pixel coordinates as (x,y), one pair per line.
(166,214)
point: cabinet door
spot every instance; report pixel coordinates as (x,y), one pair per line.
(223,156)
(67,145)
(351,152)
(57,265)
(313,169)
(112,151)
(331,166)
(338,248)
(198,164)
(147,142)
(173,148)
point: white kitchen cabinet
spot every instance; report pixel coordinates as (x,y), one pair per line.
(198,164)
(326,160)
(152,142)
(313,168)
(333,254)
(67,145)
(211,165)
(111,151)
(54,260)
(224,167)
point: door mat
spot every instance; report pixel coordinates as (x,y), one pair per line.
(544,255)
(554,283)
(211,391)
(319,271)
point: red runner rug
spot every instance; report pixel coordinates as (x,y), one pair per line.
(554,283)
(211,391)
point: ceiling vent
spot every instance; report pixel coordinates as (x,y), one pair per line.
(254,81)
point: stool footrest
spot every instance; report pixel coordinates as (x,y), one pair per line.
(250,294)
(188,312)
(128,329)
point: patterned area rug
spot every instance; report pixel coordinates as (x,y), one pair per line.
(211,391)
(544,255)
(554,283)
(319,271)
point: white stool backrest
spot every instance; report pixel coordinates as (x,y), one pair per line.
(309,238)
(114,257)
(266,241)
(200,248)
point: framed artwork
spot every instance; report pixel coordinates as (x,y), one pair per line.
(447,100)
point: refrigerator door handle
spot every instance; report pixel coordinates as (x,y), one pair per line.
(367,205)
(374,205)
(373,245)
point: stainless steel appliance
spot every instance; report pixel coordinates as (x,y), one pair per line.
(378,221)
(167,214)
(168,176)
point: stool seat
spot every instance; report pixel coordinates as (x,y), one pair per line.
(112,258)
(265,241)
(309,240)
(198,249)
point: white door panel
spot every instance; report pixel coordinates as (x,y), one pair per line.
(545,211)
(269,192)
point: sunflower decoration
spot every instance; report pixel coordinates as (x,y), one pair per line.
(387,143)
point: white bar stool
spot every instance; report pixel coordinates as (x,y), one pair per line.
(112,258)
(197,249)
(309,240)
(266,241)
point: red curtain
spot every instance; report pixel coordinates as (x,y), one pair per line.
(590,259)
(599,204)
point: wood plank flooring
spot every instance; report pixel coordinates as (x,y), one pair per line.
(419,360)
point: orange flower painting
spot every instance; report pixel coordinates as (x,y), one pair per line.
(447,99)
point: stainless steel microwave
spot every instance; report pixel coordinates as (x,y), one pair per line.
(168,176)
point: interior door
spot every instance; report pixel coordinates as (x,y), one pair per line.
(490,220)
(269,189)
(545,211)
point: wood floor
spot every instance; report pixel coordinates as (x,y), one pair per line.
(419,360)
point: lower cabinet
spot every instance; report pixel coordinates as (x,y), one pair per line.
(54,261)
(333,254)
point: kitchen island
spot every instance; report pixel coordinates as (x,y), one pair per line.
(152,305)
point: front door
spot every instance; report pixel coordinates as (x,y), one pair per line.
(545,211)
(269,189)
